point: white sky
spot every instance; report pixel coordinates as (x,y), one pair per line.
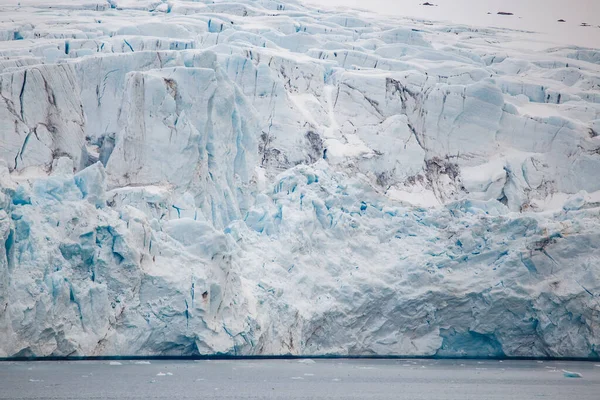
(536,15)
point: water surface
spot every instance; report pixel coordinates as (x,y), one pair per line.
(299,379)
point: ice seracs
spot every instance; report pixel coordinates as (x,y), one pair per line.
(263,178)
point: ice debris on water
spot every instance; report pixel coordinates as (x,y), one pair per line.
(571,374)
(142,362)
(115,363)
(307,361)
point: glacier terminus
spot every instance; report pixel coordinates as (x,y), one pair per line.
(256,177)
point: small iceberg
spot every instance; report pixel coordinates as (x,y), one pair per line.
(114,363)
(571,374)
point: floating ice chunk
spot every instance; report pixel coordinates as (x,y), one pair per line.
(307,361)
(297,377)
(36,380)
(571,374)
(170,373)
(142,362)
(114,363)
(161,374)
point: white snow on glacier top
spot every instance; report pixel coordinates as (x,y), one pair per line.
(539,16)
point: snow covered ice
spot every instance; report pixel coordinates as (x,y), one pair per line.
(260,177)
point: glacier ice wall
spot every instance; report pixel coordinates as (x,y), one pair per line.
(258,178)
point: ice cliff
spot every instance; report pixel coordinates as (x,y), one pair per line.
(261,177)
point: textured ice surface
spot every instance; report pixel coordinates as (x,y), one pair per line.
(257,177)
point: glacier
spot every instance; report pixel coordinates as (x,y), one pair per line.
(256,177)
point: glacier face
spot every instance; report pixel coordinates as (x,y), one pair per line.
(258,178)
